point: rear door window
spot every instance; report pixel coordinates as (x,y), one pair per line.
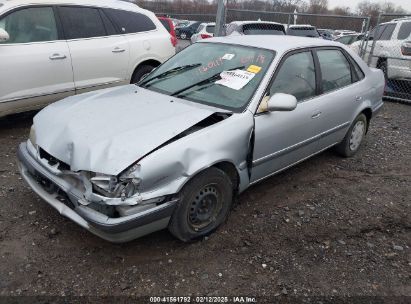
(335,70)
(405,31)
(130,22)
(81,22)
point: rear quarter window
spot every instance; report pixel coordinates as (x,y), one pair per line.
(130,22)
(166,24)
(405,31)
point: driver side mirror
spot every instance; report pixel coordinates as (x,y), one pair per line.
(4,36)
(282,102)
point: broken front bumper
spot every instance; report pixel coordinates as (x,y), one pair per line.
(121,229)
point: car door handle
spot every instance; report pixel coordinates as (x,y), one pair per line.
(358,98)
(57,56)
(118,50)
(316,115)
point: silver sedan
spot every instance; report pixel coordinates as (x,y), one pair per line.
(173,151)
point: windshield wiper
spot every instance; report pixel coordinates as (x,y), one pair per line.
(203,82)
(170,72)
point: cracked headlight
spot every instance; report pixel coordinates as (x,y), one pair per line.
(113,187)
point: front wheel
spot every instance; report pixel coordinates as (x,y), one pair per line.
(183,36)
(354,137)
(204,205)
(141,72)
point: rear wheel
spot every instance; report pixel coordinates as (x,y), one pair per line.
(140,72)
(183,36)
(354,137)
(204,205)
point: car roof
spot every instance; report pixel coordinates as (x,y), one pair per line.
(254,22)
(120,4)
(280,44)
(301,26)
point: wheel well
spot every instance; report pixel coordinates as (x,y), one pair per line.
(151,62)
(232,173)
(380,60)
(368,113)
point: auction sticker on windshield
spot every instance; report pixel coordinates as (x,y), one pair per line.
(236,79)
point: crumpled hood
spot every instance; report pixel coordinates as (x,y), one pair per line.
(108,130)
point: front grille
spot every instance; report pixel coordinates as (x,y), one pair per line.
(52,161)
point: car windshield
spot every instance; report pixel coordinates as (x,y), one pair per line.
(263,29)
(303,32)
(216,74)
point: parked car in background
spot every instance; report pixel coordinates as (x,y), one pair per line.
(303,30)
(187,31)
(341,33)
(350,39)
(326,34)
(169,25)
(204,31)
(51,51)
(392,51)
(255,28)
(175,151)
(181,23)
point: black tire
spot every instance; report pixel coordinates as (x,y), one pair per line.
(382,65)
(350,145)
(183,36)
(204,205)
(140,72)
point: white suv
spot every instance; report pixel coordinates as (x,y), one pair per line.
(392,50)
(50,50)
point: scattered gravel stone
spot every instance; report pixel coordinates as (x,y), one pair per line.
(399,248)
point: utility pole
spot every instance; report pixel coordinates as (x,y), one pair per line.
(220,20)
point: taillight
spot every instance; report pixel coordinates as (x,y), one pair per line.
(406,48)
(205,36)
(173,41)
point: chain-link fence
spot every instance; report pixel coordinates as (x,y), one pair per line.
(301,24)
(390,50)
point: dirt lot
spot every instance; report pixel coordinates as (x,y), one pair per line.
(328,227)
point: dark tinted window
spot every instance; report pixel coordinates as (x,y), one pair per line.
(263,29)
(30,25)
(210,29)
(405,31)
(303,32)
(387,33)
(81,22)
(110,29)
(130,22)
(296,77)
(335,69)
(166,24)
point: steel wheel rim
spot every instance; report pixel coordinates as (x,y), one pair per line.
(205,207)
(357,135)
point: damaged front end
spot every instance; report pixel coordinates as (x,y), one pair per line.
(108,206)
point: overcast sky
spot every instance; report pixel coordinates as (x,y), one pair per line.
(406,4)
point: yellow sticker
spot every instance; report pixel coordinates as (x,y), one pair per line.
(254,69)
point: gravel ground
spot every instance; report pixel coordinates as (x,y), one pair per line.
(327,227)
